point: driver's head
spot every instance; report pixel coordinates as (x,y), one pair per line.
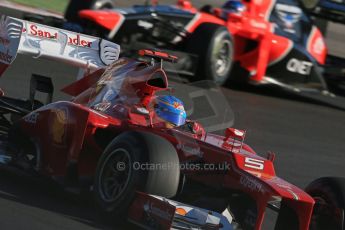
(169,110)
(234,6)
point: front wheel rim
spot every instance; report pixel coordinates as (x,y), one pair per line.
(115,175)
(222,58)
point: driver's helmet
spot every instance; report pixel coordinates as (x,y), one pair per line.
(234,6)
(169,110)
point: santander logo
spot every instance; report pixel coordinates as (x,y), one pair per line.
(50,33)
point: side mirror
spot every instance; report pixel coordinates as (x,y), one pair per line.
(231,133)
(196,129)
(234,138)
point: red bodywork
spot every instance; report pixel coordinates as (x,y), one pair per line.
(253,25)
(74,133)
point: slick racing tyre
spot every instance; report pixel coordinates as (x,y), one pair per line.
(329,196)
(213,44)
(102,5)
(310,4)
(126,167)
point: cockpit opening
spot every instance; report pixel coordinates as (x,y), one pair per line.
(158,80)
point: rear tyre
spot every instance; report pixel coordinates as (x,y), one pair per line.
(329,196)
(310,4)
(118,175)
(213,44)
(73,7)
(102,5)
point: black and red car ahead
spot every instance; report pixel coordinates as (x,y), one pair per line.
(267,42)
(266,38)
(333,10)
(107,139)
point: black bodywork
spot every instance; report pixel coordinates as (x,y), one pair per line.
(333,10)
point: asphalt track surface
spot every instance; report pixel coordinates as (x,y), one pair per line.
(308,140)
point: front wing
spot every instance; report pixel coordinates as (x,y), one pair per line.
(155,212)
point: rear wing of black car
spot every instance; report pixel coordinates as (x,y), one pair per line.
(41,41)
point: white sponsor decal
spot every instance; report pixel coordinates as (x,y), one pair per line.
(109,52)
(52,33)
(145,24)
(142,110)
(251,184)
(77,49)
(103,106)
(297,66)
(254,163)
(239,133)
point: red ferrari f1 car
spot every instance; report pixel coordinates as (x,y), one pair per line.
(125,137)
